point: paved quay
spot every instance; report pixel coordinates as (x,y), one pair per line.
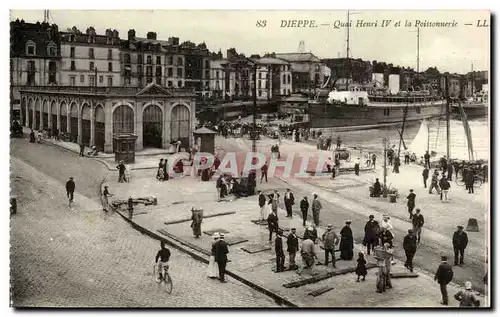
(177,196)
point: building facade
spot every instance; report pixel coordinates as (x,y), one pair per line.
(274,77)
(218,79)
(95,116)
(35,56)
(90,59)
(307,70)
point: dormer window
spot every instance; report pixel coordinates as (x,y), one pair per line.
(30,48)
(52,49)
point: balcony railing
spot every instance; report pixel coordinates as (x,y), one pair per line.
(98,90)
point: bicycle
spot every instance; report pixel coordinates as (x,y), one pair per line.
(164,278)
(478,181)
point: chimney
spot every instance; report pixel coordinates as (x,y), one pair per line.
(394,80)
(378,75)
(231,53)
(151,36)
(131,35)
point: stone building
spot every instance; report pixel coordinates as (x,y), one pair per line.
(274,77)
(217,79)
(156,115)
(35,55)
(307,70)
(90,59)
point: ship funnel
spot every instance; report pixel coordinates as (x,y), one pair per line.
(394,81)
(378,76)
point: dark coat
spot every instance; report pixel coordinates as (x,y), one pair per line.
(70,186)
(370,232)
(290,201)
(411,199)
(272,221)
(278,246)
(304,205)
(460,240)
(410,243)
(292,243)
(444,273)
(425,173)
(262,200)
(220,251)
(271,196)
(418,220)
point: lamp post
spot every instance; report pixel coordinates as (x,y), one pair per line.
(385,162)
(254,112)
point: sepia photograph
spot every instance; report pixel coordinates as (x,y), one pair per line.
(250,159)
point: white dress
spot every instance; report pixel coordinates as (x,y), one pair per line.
(213,267)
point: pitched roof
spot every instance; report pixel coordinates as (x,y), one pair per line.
(298,57)
(153,89)
(204,130)
(269,61)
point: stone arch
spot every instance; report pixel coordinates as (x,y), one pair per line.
(73,128)
(152,125)
(31,114)
(99,127)
(38,108)
(123,120)
(180,124)
(53,113)
(45,113)
(24,111)
(63,116)
(85,119)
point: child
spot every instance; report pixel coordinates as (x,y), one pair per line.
(361,267)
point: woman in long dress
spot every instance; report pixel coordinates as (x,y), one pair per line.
(213,268)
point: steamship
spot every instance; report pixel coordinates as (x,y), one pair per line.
(371,107)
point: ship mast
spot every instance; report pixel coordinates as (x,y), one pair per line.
(447,118)
(418,49)
(472,77)
(347,55)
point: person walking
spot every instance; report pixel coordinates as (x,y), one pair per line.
(434,183)
(425,175)
(444,275)
(121,172)
(418,223)
(304,207)
(213,269)
(411,202)
(410,247)
(361,266)
(316,208)
(278,248)
(466,297)
(220,251)
(371,234)
(273,201)
(346,242)
(445,188)
(70,189)
(82,149)
(460,241)
(272,224)
(292,243)
(289,202)
(374,159)
(197,219)
(105,195)
(330,240)
(263,171)
(427,158)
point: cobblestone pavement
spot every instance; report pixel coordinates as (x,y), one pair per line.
(82,257)
(337,209)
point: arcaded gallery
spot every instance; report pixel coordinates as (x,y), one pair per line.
(156,116)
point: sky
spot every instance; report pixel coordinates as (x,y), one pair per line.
(452,49)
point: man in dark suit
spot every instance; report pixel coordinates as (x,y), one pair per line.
(262,204)
(70,189)
(304,207)
(444,275)
(278,248)
(460,241)
(292,243)
(410,247)
(220,251)
(425,175)
(289,202)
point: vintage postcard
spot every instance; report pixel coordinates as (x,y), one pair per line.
(250,159)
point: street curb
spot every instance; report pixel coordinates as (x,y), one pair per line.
(277,298)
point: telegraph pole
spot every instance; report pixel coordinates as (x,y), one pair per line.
(447,89)
(254,116)
(418,49)
(385,162)
(347,56)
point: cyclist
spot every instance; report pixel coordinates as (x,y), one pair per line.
(161,259)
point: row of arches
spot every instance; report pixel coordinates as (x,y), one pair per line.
(123,121)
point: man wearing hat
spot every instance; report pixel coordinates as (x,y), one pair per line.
(262,206)
(272,224)
(371,234)
(292,243)
(304,207)
(278,248)
(70,189)
(330,240)
(460,241)
(221,250)
(289,202)
(411,202)
(316,208)
(121,172)
(410,247)
(444,275)
(418,222)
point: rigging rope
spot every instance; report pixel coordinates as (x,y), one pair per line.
(439,125)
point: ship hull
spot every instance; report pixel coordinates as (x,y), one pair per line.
(472,111)
(347,117)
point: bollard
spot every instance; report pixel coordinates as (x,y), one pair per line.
(472,225)
(155,201)
(13,205)
(130,208)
